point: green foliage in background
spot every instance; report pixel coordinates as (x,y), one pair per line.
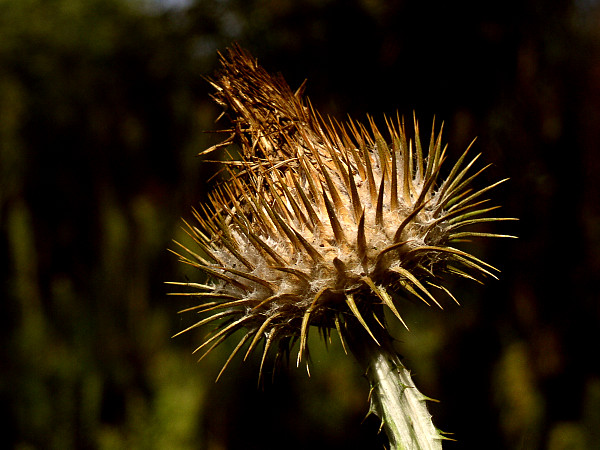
(102,109)
(97,105)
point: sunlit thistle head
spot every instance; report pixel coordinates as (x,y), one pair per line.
(321,223)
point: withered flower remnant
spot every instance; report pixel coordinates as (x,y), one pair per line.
(324,224)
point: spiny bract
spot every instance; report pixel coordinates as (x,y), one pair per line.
(320,223)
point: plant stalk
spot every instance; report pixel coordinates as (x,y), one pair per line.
(394,398)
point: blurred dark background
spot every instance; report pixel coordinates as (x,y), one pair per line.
(102,110)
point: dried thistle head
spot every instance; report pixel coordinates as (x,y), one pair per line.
(320,223)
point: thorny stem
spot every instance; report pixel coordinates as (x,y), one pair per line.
(394,398)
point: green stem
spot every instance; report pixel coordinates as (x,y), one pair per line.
(394,397)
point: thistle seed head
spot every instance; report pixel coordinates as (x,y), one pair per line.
(320,223)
